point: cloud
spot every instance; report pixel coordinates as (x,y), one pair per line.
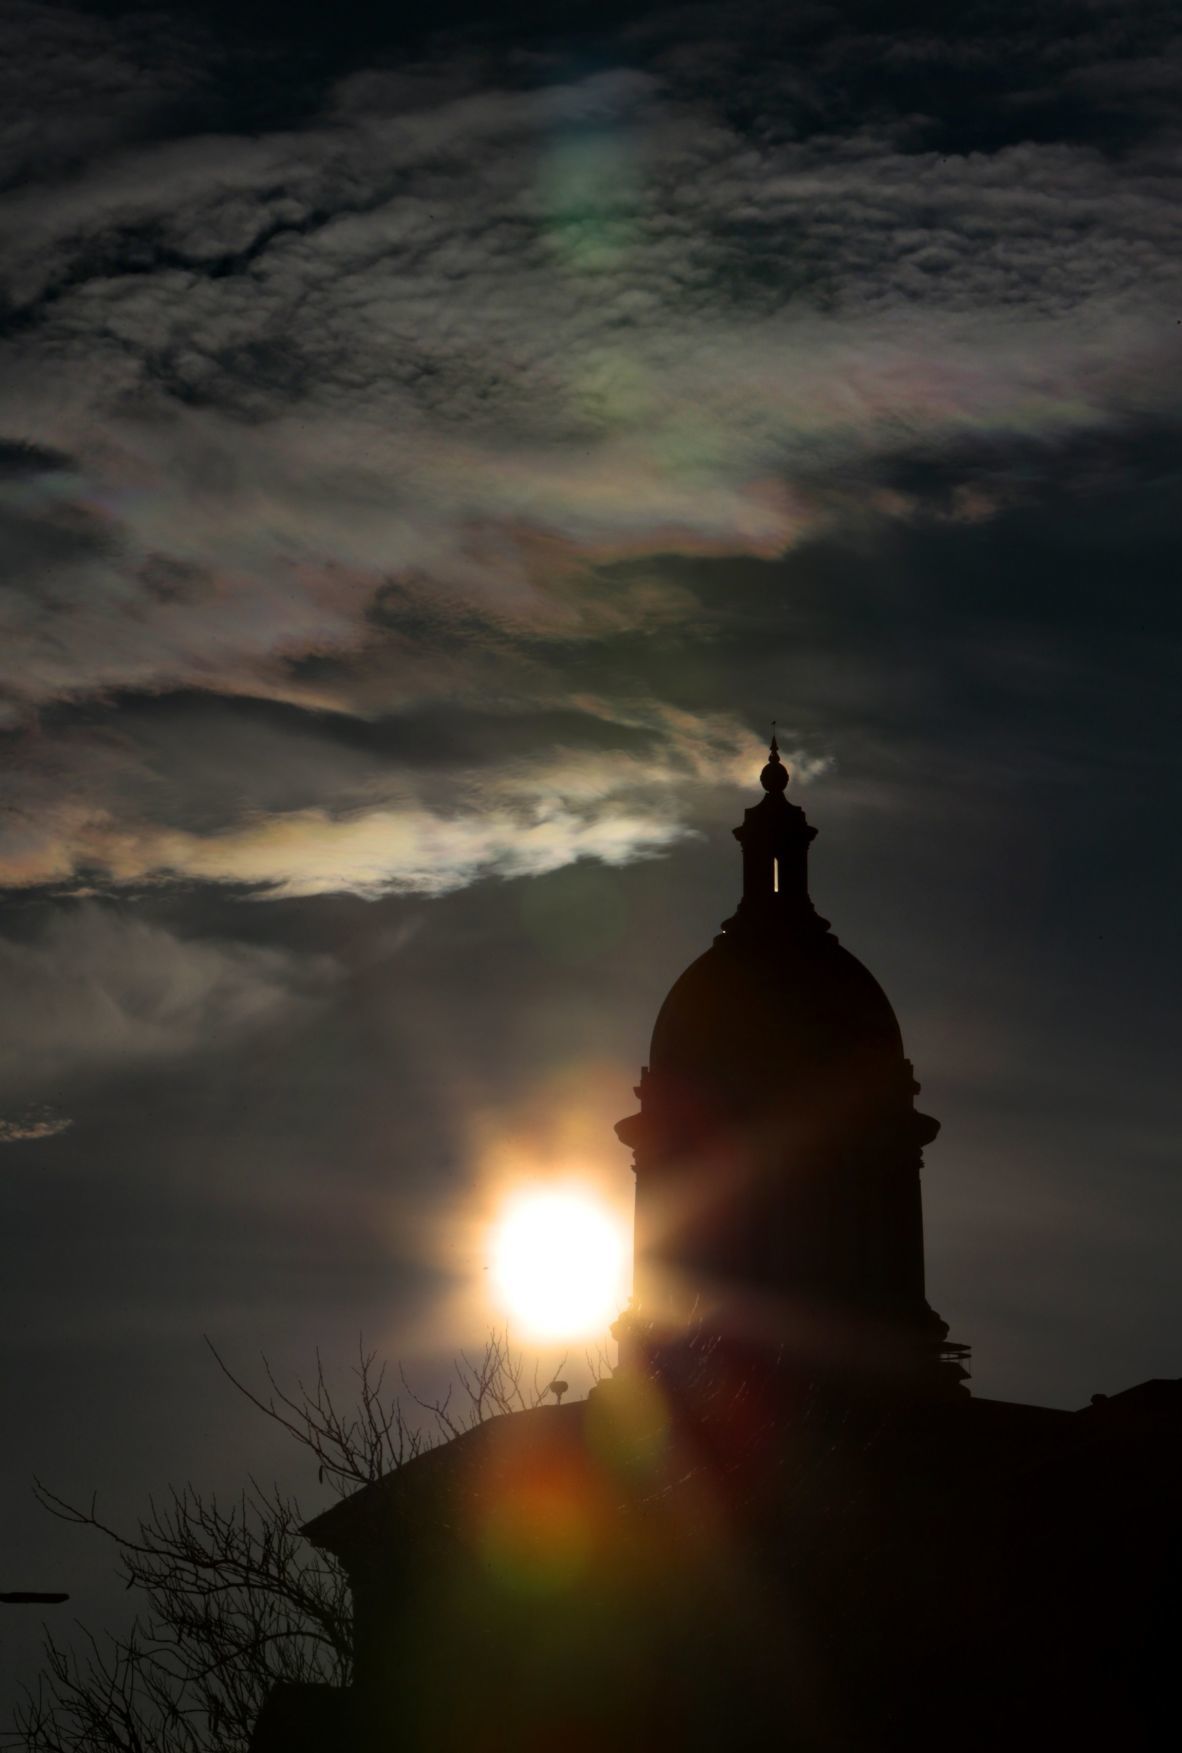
(98,988)
(402,851)
(396,343)
(73,86)
(33,1124)
(105,811)
(351,415)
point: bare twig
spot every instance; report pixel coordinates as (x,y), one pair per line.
(234,1599)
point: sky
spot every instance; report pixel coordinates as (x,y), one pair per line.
(432,449)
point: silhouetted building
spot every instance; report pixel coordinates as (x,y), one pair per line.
(783,1522)
(778,1148)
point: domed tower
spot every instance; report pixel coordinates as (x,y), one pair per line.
(778,1148)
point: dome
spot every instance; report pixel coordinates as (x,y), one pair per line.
(759,1013)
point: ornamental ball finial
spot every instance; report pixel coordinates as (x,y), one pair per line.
(775,775)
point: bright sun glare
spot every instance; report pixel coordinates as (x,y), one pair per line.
(558,1258)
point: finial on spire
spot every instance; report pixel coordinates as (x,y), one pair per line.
(775,775)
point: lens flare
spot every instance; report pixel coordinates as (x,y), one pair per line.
(538,1534)
(558,1264)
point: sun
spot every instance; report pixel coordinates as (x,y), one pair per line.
(558,1264)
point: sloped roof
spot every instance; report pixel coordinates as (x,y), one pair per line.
(624,1447)
(435,1486)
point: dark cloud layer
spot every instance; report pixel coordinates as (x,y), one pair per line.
(431,448)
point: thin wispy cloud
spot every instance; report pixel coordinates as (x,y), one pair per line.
(96,989)
(32,1125)
(367,825)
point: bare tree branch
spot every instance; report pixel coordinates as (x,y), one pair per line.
(234,1599)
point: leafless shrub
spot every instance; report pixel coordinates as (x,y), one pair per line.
(234,1599)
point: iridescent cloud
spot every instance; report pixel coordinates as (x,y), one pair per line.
(385,390)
